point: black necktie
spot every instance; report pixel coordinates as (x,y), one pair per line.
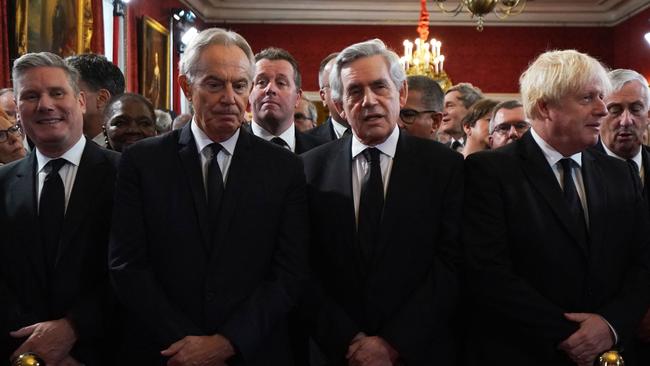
(347,132)
(456,145)
(636,175)
(371,203)
(51,210)
(215,184)
(280,142)
(571,196)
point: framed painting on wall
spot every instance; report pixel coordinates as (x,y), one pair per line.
(63,27)
(154,60)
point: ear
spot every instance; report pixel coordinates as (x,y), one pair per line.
(82,101)
(467,129)
(542,108)
(490,141)
(184,82)
(103,96)
(403,94)
(322,97)
(437,120)
(295,105)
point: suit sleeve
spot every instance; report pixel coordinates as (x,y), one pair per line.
(131,274)
(254,320)
(427,317)
(491,277)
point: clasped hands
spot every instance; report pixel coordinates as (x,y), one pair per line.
(592,338)
(51,340)
(211,350)
(370,351)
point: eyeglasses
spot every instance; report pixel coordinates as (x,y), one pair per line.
(504,128)
(14,130)
(409,116)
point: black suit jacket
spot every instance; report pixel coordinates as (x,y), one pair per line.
(408,291)
(325,131)
(175,281)
(526,265)
(77,288)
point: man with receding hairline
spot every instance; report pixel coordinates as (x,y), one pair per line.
(335,126)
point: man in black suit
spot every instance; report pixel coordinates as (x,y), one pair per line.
(55,216)
(622,137)
(335,126)
(208,247)
(556,236)
(384,209)
(276,93)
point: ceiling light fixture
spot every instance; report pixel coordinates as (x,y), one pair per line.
(479,8)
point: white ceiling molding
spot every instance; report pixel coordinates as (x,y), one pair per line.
(406,12)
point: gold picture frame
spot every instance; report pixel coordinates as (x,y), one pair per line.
(153,53)
(53,26)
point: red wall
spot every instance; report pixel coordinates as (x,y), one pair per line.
(632,51)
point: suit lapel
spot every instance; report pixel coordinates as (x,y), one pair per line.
(22,204)
(237,181)
(87,183)
(597,205)
(192,165)
(542,178)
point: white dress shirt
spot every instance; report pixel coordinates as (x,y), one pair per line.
(289,135)
(224,157)
(339,129)
(361,167)
(68,171)
(100,140)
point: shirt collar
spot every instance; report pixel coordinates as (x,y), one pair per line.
(387,147)
(289,135)
(339,129)
(202,140)
(636,158)
(553,156)
(72,156)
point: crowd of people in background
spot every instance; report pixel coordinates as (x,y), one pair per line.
(414,226)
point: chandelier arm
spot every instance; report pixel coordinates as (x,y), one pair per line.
(507,12)
(455,11)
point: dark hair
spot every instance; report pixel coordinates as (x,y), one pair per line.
(480,109)
(127,96)
(321,68)
(274,53)
(98,73)
(432,94)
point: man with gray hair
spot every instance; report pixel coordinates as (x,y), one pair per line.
(422,113)
(200,285)
(458,100)
(305,115)
(508,123)
(385,281)
(55,216)
(621,137)
(7,102)
(335,126)
(556,236)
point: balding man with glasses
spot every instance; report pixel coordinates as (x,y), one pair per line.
(11,140)
(422,113)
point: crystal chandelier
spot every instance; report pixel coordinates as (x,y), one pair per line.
(426,59)
(479,8)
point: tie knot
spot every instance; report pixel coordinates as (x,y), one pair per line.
(566,164)
(215,148)
(55,165)
(633,165)
(279,141)
(372,155)
(347,132)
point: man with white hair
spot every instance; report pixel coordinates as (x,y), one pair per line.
(555,279)
(201,286)
(385,280)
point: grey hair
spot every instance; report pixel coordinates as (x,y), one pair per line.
(30,61)
(469,94)
(432,94)
(313,113)
(4,91)
(321,68)
(356,51)
(620,77)
(189,63)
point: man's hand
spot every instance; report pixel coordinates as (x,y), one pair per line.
(199,351)
(370,351)
(644,328)
(51,340)
(593,338)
